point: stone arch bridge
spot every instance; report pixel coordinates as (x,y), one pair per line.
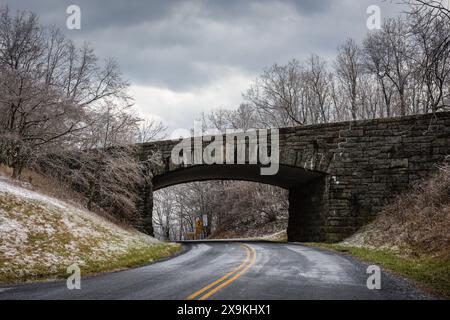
(339,175)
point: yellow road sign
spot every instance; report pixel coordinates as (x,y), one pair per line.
(199,227)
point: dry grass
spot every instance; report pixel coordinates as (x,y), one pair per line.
(43,184)
(280,236)
(416,224)
(53,188)
(429,273)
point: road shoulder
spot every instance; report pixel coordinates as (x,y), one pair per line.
(418,274)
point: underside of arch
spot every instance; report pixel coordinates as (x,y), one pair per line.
(287,177)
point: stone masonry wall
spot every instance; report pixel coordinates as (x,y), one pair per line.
(364,165)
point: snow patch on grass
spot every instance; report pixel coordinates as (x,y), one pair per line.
(41,236)
(280,236)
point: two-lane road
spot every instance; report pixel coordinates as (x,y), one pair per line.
(231,270)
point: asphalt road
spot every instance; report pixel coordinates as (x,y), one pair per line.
(232,270)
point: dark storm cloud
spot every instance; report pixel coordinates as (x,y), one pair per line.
(181,45)
(97,13)
(102,13)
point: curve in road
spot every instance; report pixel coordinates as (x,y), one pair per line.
(232,270)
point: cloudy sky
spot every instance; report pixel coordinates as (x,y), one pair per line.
(185,57)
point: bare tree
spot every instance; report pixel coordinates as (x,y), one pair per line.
(275,95)
(349,71)
(430,27)
(370,97)
(374,52)
(163,217)
(396,62)
(68,115)
(218,119)
(150,130)
(244,118)
(106,171)
(316,80)
(48,89)
(292,94)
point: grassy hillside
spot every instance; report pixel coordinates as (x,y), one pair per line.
(431,273)
(416,224)
(41,236)
(411,236)
(249,226)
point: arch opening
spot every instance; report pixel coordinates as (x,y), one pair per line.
(306,192)
(231,209)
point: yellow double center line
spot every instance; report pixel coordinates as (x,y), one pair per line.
(222,282)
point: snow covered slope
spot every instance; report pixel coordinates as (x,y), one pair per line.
(41,236)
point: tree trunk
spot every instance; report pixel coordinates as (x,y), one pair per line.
(17,170)
(90,197)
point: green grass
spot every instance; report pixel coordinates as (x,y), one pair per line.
(430,273)
(133,257)
(95,252)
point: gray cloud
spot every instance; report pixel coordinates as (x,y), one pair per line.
(187,46)
(164,43)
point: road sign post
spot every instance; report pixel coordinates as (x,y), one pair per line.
(199,228)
